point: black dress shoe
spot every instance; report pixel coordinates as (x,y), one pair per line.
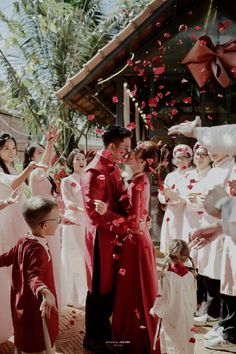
(97,346)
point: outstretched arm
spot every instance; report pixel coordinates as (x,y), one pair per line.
(17,182)
(51,137)
(220,139)
(188,129)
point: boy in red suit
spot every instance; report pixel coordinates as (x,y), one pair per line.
(102,181)
(33,294)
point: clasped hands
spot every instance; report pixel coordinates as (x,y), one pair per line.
(101,208)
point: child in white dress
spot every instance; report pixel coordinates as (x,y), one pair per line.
(176,304)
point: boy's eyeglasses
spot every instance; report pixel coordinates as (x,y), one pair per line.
(58,220)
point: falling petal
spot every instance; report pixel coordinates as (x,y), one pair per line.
(122,271)
(131,126)
(115,99)
(130,62)
(224,25)
(187,100)
(149,161)
(90,117)
(174,111)
(99,131)
(159,70)
(115,256)
(183,27)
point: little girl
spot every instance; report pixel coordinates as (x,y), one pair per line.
(176,304)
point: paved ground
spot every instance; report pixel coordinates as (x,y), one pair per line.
(72,331)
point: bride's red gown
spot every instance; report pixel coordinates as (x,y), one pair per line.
(132,325)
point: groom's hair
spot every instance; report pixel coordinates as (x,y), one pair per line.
(115,134)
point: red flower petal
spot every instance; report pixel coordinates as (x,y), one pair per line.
(197,28)
(155,113)
(150,161)
(190,186)
(183,27)
(192,340)
(184,81)
(224,25)
(73,184)
(209,117)
(115,99)
(137,313)
(131,126)
(143,104)
(130,62)
(187,100)
(167,219)
(167,35)
(202,42)
(99,131)
(174,111)
(90,117)
(115,256)
(200,212)
(233,69)
(153,101)
(173,186)
(159,70)
(122,271)
(193,37)
(101,177)
(192,180)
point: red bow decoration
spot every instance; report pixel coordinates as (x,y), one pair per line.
(205,59)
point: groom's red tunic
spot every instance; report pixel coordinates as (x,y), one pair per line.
(102,181)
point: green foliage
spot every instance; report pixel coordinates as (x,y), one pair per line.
(49,43)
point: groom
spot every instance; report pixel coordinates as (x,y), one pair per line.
(102,181)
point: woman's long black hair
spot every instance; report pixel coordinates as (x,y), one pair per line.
(3,139)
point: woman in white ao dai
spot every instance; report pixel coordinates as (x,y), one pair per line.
(172,225)
(73,236)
